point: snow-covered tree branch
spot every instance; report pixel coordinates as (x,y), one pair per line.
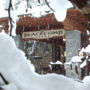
(10,6)
(56,6)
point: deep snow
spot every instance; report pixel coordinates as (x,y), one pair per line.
(20,74)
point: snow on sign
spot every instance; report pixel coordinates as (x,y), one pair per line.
(43,34)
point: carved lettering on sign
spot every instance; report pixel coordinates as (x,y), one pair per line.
(43,34)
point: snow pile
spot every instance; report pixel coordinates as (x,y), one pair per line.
(76,59)
(60,7)
(86,81)
(9,87)
(87,49)
(19,72)
(83,64)
(57,62)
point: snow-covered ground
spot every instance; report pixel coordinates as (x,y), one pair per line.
(20,74)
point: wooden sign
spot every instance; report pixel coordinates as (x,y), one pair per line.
(43,34)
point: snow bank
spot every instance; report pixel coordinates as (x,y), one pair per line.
(86,81)
(9,87)
(19,72)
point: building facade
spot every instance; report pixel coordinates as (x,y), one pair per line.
(55,41)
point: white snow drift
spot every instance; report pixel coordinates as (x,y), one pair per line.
(19,72)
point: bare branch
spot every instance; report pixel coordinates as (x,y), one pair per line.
(48,5)
(3,78)
(10,19)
